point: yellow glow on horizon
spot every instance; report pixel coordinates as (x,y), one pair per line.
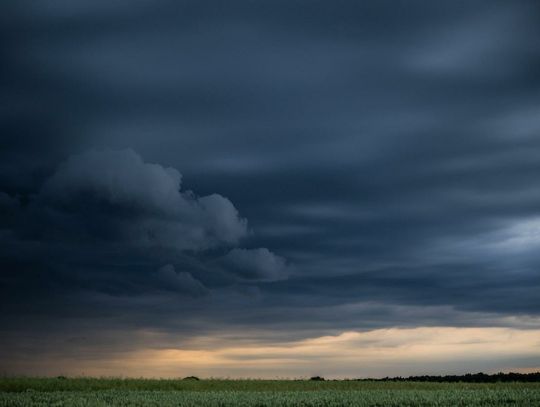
(381,352)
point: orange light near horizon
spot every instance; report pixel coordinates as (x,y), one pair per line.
(381,352)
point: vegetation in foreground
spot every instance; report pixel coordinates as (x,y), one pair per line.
(146,392)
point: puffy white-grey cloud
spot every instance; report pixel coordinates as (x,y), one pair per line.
(255,264)
(137,202)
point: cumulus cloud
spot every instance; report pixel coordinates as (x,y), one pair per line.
(117,178)
(118,212)
(182,281)
(255,264)
(122,218)
(116,195)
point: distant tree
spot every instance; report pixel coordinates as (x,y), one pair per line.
(469,378)
(317,378)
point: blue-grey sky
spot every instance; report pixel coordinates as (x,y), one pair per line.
(267,173)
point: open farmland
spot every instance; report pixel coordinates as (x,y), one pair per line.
(139,392)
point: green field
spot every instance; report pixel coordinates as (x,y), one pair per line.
(141,392)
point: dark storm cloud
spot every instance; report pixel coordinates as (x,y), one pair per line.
(255,264)
(135,201)
(385,155)
(182,281)
(111,210)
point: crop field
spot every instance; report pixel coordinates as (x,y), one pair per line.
(142,392)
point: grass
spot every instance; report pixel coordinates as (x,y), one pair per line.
(147,392)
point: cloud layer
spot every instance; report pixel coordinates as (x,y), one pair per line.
(385,155)
(396,351)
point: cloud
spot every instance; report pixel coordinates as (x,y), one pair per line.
(116,195)
(255,264)
(389,154)
(102,223)
(347,354)
(180,281)
(493,37)
(7,202)
(9,208)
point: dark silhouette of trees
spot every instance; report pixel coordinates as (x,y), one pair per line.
(469,378)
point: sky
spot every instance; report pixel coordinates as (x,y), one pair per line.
(269,189)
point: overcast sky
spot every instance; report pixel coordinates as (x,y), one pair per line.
(236,178)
